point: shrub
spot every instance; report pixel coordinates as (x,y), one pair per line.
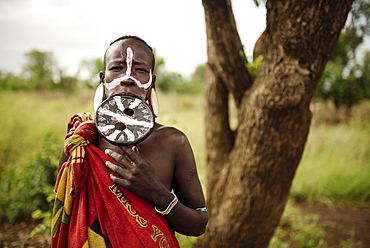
(29,185)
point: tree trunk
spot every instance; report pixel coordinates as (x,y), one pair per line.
(250,170)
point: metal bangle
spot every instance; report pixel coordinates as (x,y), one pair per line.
(169,207)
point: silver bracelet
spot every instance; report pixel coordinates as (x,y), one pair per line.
(169,207)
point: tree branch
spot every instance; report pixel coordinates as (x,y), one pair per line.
(229,58)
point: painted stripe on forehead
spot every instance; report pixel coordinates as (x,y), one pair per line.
(129,58)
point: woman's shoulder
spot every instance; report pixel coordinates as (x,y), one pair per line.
(168,133)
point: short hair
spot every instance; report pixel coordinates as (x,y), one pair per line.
(135,38)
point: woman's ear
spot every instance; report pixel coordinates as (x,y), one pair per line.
(102,76)
(100,95)
(153,101)
(152,86)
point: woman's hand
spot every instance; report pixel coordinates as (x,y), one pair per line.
(137,175)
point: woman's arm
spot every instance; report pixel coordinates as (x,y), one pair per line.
(139,176)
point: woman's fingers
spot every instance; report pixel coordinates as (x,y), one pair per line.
(121,159)
(115,168)
(124,173)
(132,153)
(120,181)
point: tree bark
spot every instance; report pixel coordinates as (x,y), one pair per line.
(250,170)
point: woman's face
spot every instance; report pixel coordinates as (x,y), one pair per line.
(128,69)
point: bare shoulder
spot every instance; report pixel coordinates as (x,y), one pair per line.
(175,142)
(169,135)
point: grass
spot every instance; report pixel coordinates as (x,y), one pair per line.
(26,118)
(335,165)
(32,130)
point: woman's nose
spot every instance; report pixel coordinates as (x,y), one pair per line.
(127,82)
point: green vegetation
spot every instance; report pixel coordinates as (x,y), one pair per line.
(335,165)
(345,81)
(305,233)
(31,138)
(334,169)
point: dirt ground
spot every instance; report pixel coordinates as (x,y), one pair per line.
(339,223)
(16,236)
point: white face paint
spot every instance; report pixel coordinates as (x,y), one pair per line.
(116,82)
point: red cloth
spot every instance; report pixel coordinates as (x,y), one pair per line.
(91,211)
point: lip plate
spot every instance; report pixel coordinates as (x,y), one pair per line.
(138,126)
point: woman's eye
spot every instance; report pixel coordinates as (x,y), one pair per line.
(116,68)
(142,70)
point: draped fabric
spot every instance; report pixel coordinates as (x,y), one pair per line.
(92,211)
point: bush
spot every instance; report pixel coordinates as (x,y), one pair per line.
(29,186)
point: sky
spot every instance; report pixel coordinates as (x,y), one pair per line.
(76,30)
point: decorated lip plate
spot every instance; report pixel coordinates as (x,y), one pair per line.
(124,120)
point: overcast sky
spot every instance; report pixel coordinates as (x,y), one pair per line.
(82,29)
(74,30)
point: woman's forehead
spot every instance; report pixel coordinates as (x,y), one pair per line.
(119,50)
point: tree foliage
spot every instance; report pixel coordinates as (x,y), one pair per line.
(195,84)
(90,69)
(174,82)
(41,72)
(39,69)
(345,80)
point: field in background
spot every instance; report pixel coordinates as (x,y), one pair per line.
(334,169)
(335,166)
